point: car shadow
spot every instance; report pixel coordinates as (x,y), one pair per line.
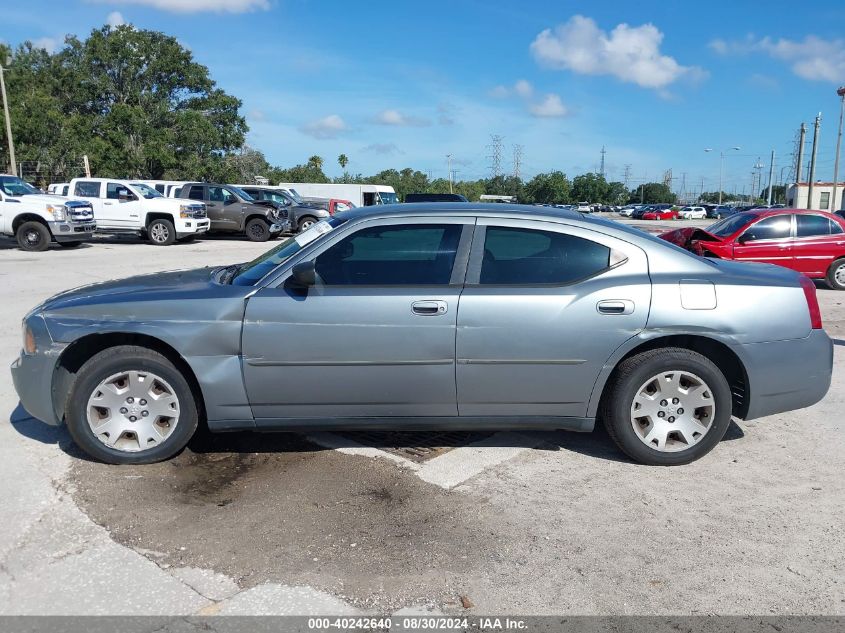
(839,341)
(596,444)
(10,244)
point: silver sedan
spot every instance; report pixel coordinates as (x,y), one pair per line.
(432,316)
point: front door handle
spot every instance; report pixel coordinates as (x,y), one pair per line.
(429,308)
(615,306)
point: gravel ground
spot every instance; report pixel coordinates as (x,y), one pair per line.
(567,527)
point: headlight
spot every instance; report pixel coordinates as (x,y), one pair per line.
(57,211)
(29,346)
(186,211)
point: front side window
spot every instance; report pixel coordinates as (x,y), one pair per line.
(515,256)
(406,255)
(771,228)
(87,189)
(113,190)
(197,192)
(811,225)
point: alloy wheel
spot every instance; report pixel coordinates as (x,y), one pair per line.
(159,232)
(133,411)
(672,411)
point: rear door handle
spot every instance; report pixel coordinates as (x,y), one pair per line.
(429,308)
(615,306)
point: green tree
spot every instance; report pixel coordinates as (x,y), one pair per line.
(343,161)
(549,188)
(316,162)
(653,193)
(589,188)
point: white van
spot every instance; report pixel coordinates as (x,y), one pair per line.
(359,195)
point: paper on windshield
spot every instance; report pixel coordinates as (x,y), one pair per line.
(316,230)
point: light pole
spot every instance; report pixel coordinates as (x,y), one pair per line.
(841,93)
(8,123)
(449,158)
(721,165)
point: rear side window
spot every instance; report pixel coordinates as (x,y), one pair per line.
(87,189)
(526,257)
(771,228)
(407,255)
(814,225)
(196,192)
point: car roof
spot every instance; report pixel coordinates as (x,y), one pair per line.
(408,209)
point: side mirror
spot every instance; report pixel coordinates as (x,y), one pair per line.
(304,274)
(123,195)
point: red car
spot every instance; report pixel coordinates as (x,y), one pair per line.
(811,242)
(663,214)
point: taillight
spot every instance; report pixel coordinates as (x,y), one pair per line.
(812,302)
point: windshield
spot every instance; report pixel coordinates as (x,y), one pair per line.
(243,195)
(14,186)
(145,190)
(730,225)
(254,271)
(296,197)
(388,197)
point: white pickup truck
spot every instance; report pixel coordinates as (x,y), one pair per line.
(35,219)
(130,206)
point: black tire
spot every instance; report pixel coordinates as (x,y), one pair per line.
(257,230)
(72,244)
(33,236)
(305,222)
(837,268)
(627,378)
(113,361)
(718,216)
(161,232)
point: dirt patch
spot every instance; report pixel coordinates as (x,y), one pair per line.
(275,508)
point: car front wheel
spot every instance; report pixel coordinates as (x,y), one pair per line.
(257,230)
(836,275)
(667,406)
(161,232)
(131,405)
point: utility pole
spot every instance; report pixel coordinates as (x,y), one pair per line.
(601,169)
(841,93)
(517,161)
(771,177)
(802,135)
(12,162)
(813,160)
(757,179)
(449,158)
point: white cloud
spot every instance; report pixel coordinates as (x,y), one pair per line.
(115,18)
(197,6)
(385,149)
(549,107)
(330,126)
(394,117)
(256,115)
(812,58)
(499,92)
(49,44)
(523,88)
(631,54)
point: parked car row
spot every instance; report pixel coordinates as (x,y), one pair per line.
(162,212)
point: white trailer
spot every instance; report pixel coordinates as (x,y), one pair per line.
(359,195)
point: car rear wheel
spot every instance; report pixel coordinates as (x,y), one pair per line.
(667,406)
(836,275)
(33,236)
(161,232)
(130,405)
(257,230)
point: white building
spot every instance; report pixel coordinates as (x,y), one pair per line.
(796,196)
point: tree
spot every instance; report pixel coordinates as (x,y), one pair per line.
(316,162)
(589,188)
(343,161)
(617,193)
(653,193)
(549,188)
(134,101)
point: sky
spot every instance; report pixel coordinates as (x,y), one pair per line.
(396,84)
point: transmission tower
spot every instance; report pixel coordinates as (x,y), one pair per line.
(627,176)
(667,178)
(495,155)
(601,169)
(517,161)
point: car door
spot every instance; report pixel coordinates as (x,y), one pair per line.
(228,215)
(375,337)
(768,240)
(544,306)
(121,207)
(818,241)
